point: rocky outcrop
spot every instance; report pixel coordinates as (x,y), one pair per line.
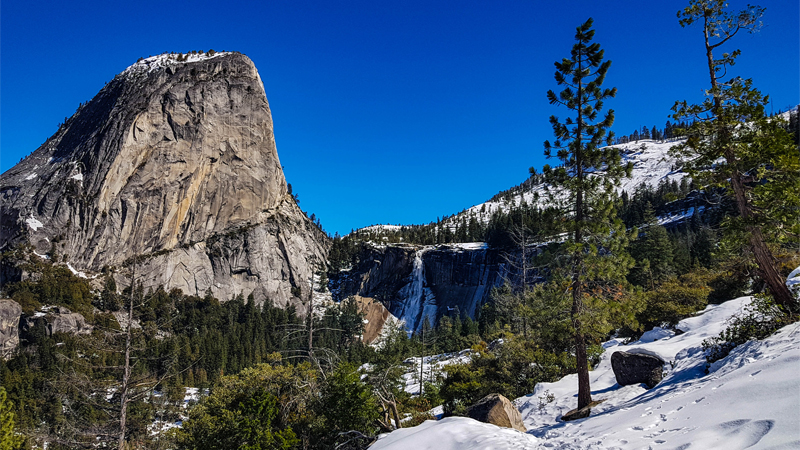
(497,410)
(69,322)
(381,273)
(462,277)
(415,282)
(636,368)
(174,161)
(10,312)
(57,319)
(375,317)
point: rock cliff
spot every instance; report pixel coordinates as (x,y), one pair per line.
(10,312)
(414,282)
(173,160)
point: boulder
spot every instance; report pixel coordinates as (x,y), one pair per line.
(72,323)
(636,368)
(57,319)
(10,312)
(497,410)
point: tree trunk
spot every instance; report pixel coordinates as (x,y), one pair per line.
(767,264)
(126,376)
(584,389)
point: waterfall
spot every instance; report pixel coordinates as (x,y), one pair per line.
(417,300)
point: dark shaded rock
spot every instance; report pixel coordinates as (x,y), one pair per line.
(497,410)
(10,312)
(453,278)
(635,368)
(580,413)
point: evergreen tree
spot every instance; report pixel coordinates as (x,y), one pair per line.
(9,439)
(654,253)
(583,188)
(757,163)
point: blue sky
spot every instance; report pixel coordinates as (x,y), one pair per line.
(385,112)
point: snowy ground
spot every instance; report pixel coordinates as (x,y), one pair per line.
(750,399)
(433,367)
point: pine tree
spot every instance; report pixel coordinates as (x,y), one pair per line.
(9,439)
(758,163)
(583,189)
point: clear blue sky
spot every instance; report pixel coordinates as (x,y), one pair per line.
(385,112)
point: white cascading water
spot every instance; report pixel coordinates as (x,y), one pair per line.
(418,301)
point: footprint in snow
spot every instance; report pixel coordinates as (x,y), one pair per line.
(698,400)
(755,373)
(733,435)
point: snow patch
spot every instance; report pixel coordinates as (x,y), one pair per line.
(79,273)
(793,282)
(77,176)
(31,176)
(33,223)
(469,245)
(163,60)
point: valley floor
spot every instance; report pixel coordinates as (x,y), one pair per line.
(750,399)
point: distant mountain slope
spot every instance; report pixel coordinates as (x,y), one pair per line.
(652,164)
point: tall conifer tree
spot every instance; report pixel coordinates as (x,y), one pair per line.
(583,188)
(733,144)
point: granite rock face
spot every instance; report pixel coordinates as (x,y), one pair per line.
(10,312)
(175,161)
(380,274)
(375,317)
(414,282)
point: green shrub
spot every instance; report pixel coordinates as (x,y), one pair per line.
(263,407)
(760,320)
(513,371)
(673,301)
(52,285)
(347,404)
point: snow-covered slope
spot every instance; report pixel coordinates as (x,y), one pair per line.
(652,164)
(750,399)
(169,59)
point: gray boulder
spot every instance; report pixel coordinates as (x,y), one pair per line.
(497,410)
(635,368)
(57,320)
(72,323)
(10,312)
